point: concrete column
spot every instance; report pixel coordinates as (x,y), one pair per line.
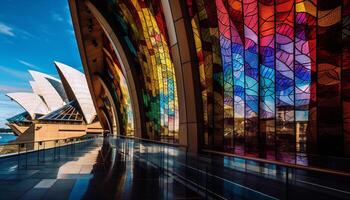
(187,77)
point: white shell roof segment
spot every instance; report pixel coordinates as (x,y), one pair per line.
(77,83)
(51,93)
(31,102)
(35,87)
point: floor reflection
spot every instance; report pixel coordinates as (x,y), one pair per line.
(94,170)
(115,168)
(120,176)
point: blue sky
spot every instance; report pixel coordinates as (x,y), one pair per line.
(33,34)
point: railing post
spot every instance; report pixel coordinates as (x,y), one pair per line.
(287,182)
(146,154)
(186,165)
(54,150)
(18,158)
(44,152)
(26,156)
(140,153)
(206,182)
(167,168)
(66,145)
(126,147)
(38,152)
(163,156)
(59,150)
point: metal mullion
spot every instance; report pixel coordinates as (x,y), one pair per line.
(274,61)
(341,77)
(259,97)
(64,113)
(71,112)
(244,72)
(294,120)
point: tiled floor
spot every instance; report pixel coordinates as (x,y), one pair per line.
(89,172)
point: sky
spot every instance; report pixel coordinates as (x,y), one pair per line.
(33,34)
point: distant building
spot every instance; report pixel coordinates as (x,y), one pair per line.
(56,109)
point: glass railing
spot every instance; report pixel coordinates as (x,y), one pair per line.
(36,152)
(170,159)
(226,176)
(214,175)
(326,182)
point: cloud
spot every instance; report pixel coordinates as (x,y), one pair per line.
(13,72)
(15,31)
(71,32)
(25,34)
(29,64)
(7,42)
(6,30)
(7,89)
(69,21)
(8,109)
(57,17)
(68,16)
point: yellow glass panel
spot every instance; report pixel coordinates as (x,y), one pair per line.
(306,7)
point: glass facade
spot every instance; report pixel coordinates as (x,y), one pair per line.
(68,113)
(142,30)
(119,88)
(273,75)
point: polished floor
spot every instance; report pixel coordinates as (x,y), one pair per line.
(235,178)
(86,171)
(119,168)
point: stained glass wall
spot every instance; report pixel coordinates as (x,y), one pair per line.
(274,76)
(141,28)
(119,89)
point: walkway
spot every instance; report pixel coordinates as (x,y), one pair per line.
(92,170)
(120,168)
(234,178)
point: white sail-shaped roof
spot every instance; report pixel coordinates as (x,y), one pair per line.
(50,89)
(35,87)
(76,83)
(30,102)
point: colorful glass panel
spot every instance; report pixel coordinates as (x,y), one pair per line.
(227,64)
(121,91)
(251,65)
(284,75)
(237,51)
(305,80)
(145,34)
(285,81)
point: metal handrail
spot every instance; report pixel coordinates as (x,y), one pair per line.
(294,166)
(30,142)
(205,172)
(154,141)
(287,165)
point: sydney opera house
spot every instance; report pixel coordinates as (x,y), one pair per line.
(55,109)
